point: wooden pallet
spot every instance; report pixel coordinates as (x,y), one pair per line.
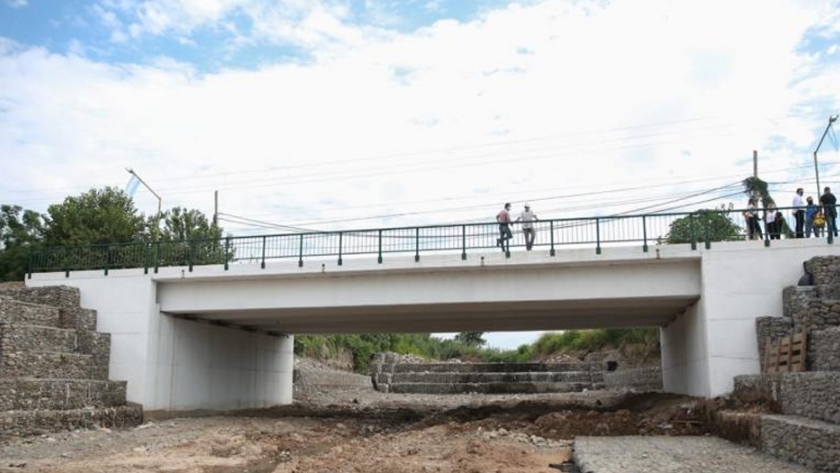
(787,355)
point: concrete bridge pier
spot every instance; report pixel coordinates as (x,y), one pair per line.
(177,364)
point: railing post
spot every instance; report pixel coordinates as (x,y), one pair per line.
(463,242)
(227,252)
(300,254)
(692,233)
(340,235)
(107,258)
(416,244)
(551,227)
(708,234)
(190,254)
(147,253)
(767,236)
(157,256)
(262,260)
(29,263)
(644,234)
(597,236)
(379,260)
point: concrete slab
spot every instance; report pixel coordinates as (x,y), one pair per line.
(672,455)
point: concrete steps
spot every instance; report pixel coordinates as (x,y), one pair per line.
(28,394)
(488,388)
(24,423)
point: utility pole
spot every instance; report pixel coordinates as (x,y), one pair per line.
(216,209)
(755,177)
(831,121)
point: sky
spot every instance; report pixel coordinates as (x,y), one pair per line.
(324,114)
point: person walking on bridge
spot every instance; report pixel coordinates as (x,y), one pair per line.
(503,218)
(829,205)
(799,212)
(528,218)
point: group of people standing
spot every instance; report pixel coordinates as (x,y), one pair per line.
(527,218)
(809,217)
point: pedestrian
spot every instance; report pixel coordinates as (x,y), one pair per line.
(773,222)
(811,212)
(751,217)
(799,212)
(829,202)
(528,218)
(503,218)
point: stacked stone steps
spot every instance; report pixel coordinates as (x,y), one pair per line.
(489,388)
(60,394)
(54,365)
(486,378)
(492,377)
(804,423)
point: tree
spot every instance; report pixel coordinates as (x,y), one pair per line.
(188,237)
(98,216)
(712,224)
(183,224)
(19,233)
(473,339)
(754,186)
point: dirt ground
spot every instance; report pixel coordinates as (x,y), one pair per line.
(365,431)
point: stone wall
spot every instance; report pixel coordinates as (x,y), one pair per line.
(811,394)
(55,296)
(12,311)
(810,443)
(27,423)
(825,269)
(636,379)
(824,350)
(30,394)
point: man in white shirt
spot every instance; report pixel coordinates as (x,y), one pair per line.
(799,213)
(528,218)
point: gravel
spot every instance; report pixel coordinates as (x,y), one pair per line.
(673,454)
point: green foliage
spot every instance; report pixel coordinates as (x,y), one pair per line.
(433,348)
(20,231)
(99,216)
(187,236)
(703,224)
(473,339)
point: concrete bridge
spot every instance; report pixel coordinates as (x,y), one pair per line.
(221,336)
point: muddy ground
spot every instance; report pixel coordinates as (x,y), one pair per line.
(366,432)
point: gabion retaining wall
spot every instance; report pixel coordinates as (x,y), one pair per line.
(807,442)
(810,394)
(824,350)
(636,379)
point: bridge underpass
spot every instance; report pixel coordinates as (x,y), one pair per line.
(237,349)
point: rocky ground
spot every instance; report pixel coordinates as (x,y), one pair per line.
(361,430)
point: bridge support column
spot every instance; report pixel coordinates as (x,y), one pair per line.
(286,359)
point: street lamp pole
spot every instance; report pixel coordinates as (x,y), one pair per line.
(831,120)
(157,220)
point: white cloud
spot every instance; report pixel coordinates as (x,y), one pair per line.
(17,3)
(513,125)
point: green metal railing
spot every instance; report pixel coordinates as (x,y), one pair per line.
(595,233)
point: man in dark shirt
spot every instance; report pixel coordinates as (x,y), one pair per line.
(828,202)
